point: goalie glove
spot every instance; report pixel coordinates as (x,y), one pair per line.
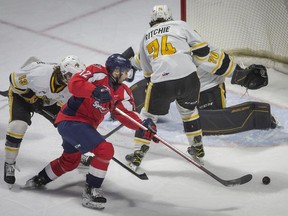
(252,77)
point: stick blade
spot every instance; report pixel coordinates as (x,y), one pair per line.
(238,181)
(143,176)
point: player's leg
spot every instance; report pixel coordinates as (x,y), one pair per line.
(213,98)
(79,138)
(153,106)
(20,118)
(85,139)
(186,104)
(93,196)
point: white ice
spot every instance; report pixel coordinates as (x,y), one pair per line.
(93,30)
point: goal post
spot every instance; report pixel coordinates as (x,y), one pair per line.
(252,31)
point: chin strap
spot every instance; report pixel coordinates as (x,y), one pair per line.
(114,82)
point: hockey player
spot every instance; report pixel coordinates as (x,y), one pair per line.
(37,87)
(95,93)
(167,64)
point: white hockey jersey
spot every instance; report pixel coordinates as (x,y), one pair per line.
(40,78)
(172,50)
(207,80)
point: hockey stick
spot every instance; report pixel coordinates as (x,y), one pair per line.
(141,176)
(233,182)
(112,131)
(4,93)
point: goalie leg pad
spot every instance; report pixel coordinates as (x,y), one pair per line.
(235,119)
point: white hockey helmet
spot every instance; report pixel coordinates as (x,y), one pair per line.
(70,65)
(160,13)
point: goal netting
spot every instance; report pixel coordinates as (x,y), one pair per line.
(252,31)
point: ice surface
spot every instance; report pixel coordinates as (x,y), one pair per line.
(92,30)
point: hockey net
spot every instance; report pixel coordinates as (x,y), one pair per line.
(252,31)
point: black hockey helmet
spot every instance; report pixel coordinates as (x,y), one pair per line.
(117,61)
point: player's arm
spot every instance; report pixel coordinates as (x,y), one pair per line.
(213,60)
(127,105)
(19,85)
(219,63)
(210,59)
(81,84)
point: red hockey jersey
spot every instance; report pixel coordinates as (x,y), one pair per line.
(84,108)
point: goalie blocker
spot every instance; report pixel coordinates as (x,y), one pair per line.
(242,117)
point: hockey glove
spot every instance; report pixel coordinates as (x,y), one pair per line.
(257,78)
(37,106)
(253,77)
(102,94)
(148,134)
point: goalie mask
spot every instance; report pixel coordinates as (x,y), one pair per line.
(70,65)
(160,13)
(117,62)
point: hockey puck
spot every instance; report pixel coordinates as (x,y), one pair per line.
(266,180)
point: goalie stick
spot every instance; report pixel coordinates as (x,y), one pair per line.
(229,183)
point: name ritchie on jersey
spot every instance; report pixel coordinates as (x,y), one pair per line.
(157,31)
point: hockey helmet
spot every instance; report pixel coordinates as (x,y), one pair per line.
(70,65)
(160,13)
(117,61)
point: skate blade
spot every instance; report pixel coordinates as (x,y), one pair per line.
(31,186)
(93,205)
(10,186)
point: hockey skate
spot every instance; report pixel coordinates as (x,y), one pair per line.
(196,150)
(36,182)
(93,198)
(134,159)
(9,174)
